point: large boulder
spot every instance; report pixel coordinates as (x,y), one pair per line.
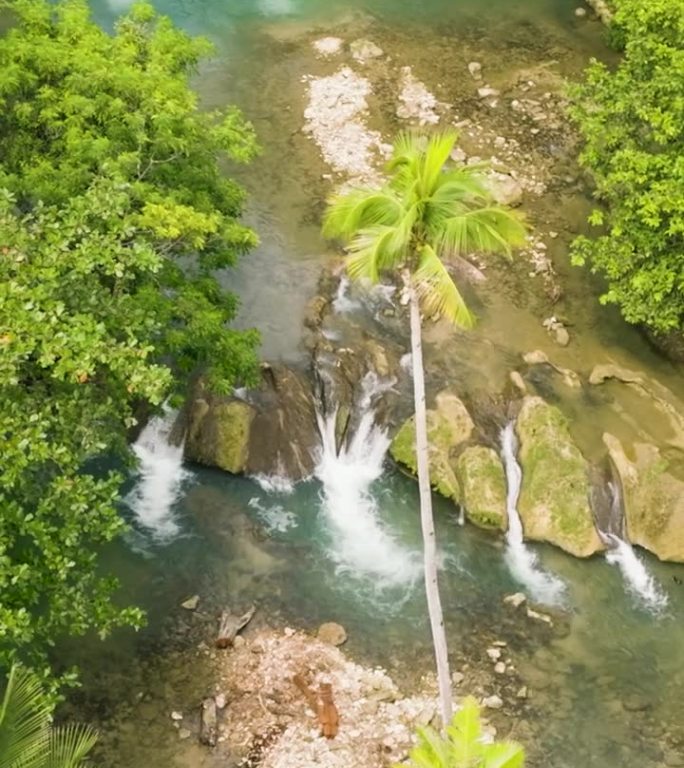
(554,499)
(449,424)
(273,430)
(653,499)
(483,487)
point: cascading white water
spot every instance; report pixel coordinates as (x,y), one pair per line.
(521,560)
(160,476)
(342,302)
(360,543)
(638,580)
(621,553)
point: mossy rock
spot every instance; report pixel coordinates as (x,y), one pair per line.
(653,498)
(219,435)
(483,487)
(448,425)
(554,499)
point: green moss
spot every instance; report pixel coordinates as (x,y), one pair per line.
(483,487)
(554,500)
(232,423)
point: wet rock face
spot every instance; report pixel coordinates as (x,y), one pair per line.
(483,487)
(275,431)
(449,424)
(653,499)
(554,499)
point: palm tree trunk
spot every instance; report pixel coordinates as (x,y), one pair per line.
(426,519)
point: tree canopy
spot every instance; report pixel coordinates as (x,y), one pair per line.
(114,215)
(632,121)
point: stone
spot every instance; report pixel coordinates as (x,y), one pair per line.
(449,424)
(537,357)
(504,189)
(328,46)
(239,641)
(494,653)
(532,614)
(561,335)
(475,69)
(332,633)
(580,12)
(635,703)
(177,716)
(218,434)
(458,155)
(601,9)
(416,102)
(483,487)
(518,382)
(653,497)
(457,678)
(492,702)
(500,668)
(516,600)
(554,498)
(522,693)
(315,312)
(364,50)
(487,92)
(191,603)
(184,733)
(220,698)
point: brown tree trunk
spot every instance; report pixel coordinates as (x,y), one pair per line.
(426,519)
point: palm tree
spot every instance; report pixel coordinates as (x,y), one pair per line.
(27,737)
(463,746)
(425,212)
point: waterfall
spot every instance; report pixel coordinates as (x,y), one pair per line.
(360,542)
(160,476)
(621,553)
(520,559)
(342,302)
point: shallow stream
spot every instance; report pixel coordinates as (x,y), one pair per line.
(606,691)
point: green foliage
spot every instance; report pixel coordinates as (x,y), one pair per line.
(426,212)
(113,217)
(27,738)
(632,121)
(462,747)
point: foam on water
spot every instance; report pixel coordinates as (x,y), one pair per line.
(276,483)
(160,477)
(343,302)
(521,560)
(360,544)
(274,516)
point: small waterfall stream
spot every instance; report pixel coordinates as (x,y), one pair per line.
(638,580)
(160,477)
(360,542)
(521,560)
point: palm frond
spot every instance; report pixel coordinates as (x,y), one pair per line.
(70,745)
(439,147)
(24,721)
(492,229)
(437,291)
(360,208)
(366,253)
(506,754)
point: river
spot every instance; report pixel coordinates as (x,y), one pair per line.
(345,545)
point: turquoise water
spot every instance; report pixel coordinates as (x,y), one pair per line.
(606,691)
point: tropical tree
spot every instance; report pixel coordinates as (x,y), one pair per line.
(426,212)
(463,746)
(27,737)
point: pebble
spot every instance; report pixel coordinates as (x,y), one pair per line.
(475,69)
(239,641)
(562,336)
(191,603)
(220,700)
(494,653)
(516,600)
(500,668)
(486,91)
(184,733)
(522,693)
(457,678)
(492,702)
(580,12)
(332,633)
(176,715)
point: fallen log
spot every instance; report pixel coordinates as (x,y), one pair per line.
(323,706)
(230,625)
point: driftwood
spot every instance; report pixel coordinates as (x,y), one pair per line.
(208,723)
(230,625)
(322,705)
